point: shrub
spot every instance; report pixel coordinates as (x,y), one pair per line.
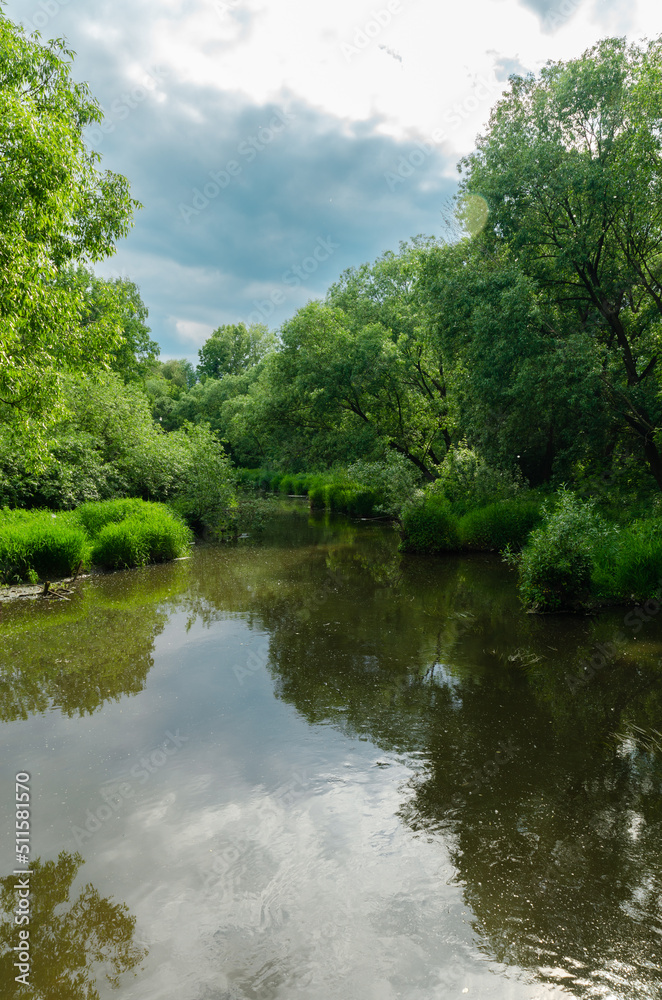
(556,565)
(137,540)
(394,483)
(249,478)
(499,524)
(360,502)
(39,548)
(207,496)
(468,481)
(430,526)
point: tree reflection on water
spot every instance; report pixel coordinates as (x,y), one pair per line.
(72,941)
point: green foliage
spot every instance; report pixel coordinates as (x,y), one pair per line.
(108,447)
(556,565)
(628,566)
(207,496)
(231,350)
(468,481)
(56,209)
(41,546)
(430,527)
(285,484)
(178,372)
(393,483)
(570,172)
(497,525)
(317,496)
(113,534)
(95,516)
(149,536)
(113,305)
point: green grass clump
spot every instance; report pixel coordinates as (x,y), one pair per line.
(94,516)
(628,566)
(430,527)
(115,534)
(499,524)
(40,547)
(317,497)
(286,484)
(139,539)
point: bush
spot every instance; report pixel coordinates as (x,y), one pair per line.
(360,502)
(499,524)
(430,526)
(137,540)
(556,565)
(38,548)
(207,495)
(469,482)
(394,483)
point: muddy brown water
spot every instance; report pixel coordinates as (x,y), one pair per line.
(308,766)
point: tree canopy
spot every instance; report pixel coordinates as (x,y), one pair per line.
(571,171)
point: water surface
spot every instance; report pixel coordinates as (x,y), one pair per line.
(311,767)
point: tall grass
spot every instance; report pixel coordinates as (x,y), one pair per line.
(136,541)
(37,545)
(330,491)
(498,525)
(96,515)
(430,526)
(628,566)
(133,532)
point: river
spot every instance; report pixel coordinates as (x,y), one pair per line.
(307,766)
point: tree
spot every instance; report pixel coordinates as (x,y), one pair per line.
(56,209)
(113,309)
(524,389)
(231,350)
(179,372)
(570,168)
(334,375)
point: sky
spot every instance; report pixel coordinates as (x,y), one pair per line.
(275,143)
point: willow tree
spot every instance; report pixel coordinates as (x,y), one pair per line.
(571,169)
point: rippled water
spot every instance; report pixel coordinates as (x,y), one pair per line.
(311,767)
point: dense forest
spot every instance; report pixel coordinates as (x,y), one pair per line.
(495,385)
